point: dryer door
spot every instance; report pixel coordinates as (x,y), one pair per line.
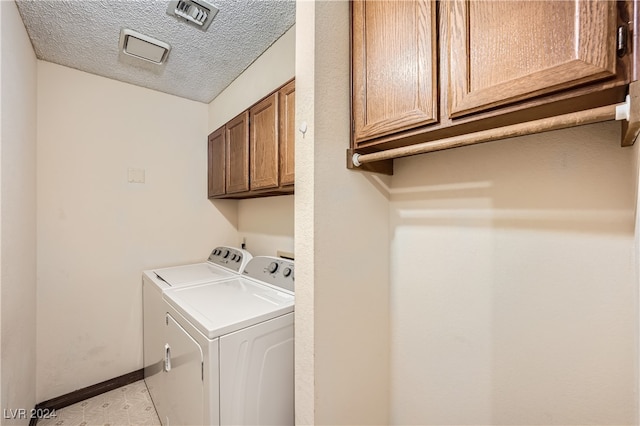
(184,381)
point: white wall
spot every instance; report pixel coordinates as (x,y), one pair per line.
(514,296)
(342,240)
(273,68)
(266,224)
(17,214)
(97,232)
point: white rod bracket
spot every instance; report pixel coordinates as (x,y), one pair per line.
(355,160)
(623,111)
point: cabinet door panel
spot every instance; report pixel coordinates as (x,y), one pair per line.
(237,153)
(287,133)
(503,52)
(264,143)
(216,151)
(391,95)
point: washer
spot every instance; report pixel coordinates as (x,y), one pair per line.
(229,348)
(223,263)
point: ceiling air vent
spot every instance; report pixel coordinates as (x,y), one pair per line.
(198,13)
(143,47)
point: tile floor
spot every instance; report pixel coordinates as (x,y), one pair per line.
(128,405)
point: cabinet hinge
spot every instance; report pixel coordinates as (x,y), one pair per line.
(622,40)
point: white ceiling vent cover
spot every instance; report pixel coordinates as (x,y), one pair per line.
(199,13)
(143,47)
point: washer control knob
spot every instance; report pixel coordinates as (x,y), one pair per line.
(226,253)
(286,272)
(273,266)
(233,257)
(238,258)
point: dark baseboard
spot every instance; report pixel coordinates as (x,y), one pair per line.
(86,393)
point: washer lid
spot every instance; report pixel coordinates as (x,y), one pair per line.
(223,307)
(193,274)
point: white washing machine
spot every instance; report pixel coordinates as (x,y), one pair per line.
(223,263)
(229,349)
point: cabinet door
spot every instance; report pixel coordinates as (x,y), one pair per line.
(394,66)
(287,100)
(502,52)
(264,143)
(237,153)
(216,168)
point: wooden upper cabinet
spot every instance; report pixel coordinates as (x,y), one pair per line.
(253,154)
(499,63)
(237,154)
(394,63)
(502,52)
(216,168)
(287,104)
(263,142)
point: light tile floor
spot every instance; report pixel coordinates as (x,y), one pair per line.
(128,405)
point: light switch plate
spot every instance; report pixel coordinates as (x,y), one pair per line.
(135,175)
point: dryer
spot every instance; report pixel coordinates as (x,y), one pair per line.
(223,263)
(229,348)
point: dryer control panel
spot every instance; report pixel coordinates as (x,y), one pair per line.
(230,257)
(272,270)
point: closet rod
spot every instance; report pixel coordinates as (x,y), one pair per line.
(595,115)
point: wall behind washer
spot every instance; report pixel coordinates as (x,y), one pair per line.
(18,80)
(265,223)
(97,232)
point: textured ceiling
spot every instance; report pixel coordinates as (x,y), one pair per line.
(84,34)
